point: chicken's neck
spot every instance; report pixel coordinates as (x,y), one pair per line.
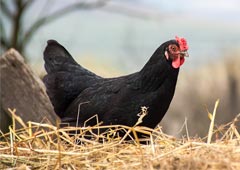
(154,75)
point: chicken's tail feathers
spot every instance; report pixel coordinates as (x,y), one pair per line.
(57,58)
(62,89)
(65,78)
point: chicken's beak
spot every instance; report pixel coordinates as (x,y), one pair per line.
(184,54)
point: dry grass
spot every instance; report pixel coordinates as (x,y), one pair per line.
(40,146)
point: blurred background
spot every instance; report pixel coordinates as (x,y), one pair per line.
(117,37)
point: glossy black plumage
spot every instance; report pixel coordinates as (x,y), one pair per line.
(74,91)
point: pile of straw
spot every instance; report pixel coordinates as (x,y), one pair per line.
(44,146)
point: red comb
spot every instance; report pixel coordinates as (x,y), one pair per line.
(182,43)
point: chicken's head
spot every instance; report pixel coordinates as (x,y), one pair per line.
(175,52)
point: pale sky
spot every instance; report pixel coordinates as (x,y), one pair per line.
(125,33)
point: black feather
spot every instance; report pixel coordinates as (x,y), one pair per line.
(66,79)
(75,91)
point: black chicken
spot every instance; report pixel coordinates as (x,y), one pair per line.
(78,94)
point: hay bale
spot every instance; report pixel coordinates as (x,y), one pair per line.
(36,147)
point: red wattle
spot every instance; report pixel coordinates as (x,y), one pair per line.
(177,62)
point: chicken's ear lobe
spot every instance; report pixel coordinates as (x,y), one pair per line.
(166,55)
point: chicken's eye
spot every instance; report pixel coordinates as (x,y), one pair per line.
(174,48)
